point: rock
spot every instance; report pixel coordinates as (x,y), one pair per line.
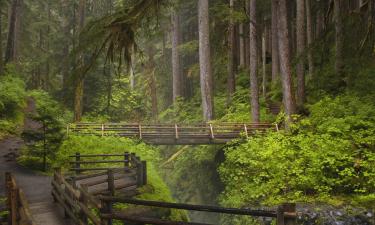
(330,215)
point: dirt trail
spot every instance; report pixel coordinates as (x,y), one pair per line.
(37,187)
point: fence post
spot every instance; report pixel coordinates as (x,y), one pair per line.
(126,159)
(14,205)
(144,170)
(102,130)
(280,215)
(285,214)
(139,172)
(78,164)
(103,210)
(111,188)
(290,208)
(132,159)
(84,201)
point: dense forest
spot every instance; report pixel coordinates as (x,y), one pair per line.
(307,66)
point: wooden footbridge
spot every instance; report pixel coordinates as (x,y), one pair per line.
(101,195)
(174,134)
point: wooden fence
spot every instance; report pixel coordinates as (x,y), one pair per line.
(172,134)
(18,207)
(89,196)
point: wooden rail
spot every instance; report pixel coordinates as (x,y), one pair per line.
(173,134)
(85,203)
(19,212)
(77,194)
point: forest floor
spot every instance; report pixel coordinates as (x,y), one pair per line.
(37,187)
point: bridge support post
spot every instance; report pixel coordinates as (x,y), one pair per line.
(126,159)
(286,214)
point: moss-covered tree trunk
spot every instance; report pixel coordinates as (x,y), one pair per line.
(254,87)
(231,56)
(176,68)
(12,49)
(301,45)
(310,35)
(275,41)
(1,46)
(80,79)
(206,81)
(285,61)
(339,26)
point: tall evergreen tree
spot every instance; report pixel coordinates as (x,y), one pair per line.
(254,87)
(206,81)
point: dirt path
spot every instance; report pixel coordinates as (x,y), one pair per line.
(37,187)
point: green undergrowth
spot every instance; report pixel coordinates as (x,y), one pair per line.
(12,102)
(156,189)
(327,157)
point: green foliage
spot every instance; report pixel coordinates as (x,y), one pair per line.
(156,188)
(327,157)
(43,135)
(12,101)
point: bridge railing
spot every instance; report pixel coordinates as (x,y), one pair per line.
(284,215)
(172,131)
(19,211)
(77,194)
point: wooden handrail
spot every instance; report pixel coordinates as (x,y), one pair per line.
(17,204)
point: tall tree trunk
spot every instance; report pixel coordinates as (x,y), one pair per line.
(12,49)
(309,30)
(131,72)
(47,75)
(1,45)
(254,88)
(301,45)
(152,83)
(285,65)
(206,81)
(242,45)
(176,68)
(339,61)
(275,41)
(78,98)
(78,93)
(264,72)
(65,50)
(231,56)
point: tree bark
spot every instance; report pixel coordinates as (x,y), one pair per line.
(285,65)
(264,72)
(254,89)
(310,35)
(1,46)
(275,41)
(152,83)
(78,93)
(301,45)
(339,61)
(231,56)
(176,68)
(206,81)
(12,49)
(242,45)
(65,49)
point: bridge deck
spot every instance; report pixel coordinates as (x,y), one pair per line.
(174,134)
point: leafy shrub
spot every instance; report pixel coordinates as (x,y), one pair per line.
(12,101)
(327,157)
